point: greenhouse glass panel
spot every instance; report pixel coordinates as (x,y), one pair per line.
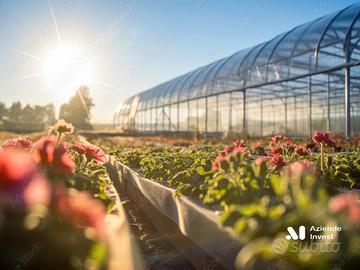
(337,101)
(174,117)
(193,121)
(183,116)
(153,120)
(201,114)
(237,108)
(224,112)
(166,118)
(319,102)
(147,124)
(212,120)
(252,110)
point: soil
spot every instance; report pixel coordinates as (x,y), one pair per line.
(158,252)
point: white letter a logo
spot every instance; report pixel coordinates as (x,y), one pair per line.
(293,235)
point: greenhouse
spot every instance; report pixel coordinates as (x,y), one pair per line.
(302,80)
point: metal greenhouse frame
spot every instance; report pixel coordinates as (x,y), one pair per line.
(303,80)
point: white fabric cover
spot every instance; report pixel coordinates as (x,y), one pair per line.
(199,224)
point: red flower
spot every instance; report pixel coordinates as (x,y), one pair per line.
(17,169)
(349,203)
(83,211)
(57,158)
(289,143)
(323,137)
(275,139)
(221,156)
(277,161)
(215,165)
(301,150)
(18,143)
(239,146)
(229,149)
(91,152)
(239,143)
(274,152)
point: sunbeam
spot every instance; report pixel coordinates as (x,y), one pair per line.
(108,85)
(55,23)
(84,104)
(25,53)
(31,76)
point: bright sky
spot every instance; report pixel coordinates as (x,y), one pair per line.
(123,47)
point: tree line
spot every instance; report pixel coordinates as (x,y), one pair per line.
(28,113)
(76,111)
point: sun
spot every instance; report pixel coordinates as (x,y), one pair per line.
(66,68)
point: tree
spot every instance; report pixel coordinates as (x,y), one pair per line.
(3,110)
(15,111)
(77,110)
(28,114)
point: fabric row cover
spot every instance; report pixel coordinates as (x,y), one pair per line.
(324,45)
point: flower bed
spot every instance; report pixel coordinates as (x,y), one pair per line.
(261,196)
(194,230)
(58,209)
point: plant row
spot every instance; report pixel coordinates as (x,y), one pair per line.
(263,188)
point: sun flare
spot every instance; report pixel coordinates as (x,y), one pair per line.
(66,68)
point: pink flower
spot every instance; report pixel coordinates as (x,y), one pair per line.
(347,202)
(261,160)
(91,152)
(17,169)
(221,157)
(323,137)
(67,146)
(299,168)
(79,147)
(57,158)
(83,211)
(277,161)
(38,192)
(20,181)
(301,150)
(18,143)
(240,149)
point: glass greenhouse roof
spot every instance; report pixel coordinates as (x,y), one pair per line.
(321,45)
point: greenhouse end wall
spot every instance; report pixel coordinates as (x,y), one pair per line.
(303,80)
